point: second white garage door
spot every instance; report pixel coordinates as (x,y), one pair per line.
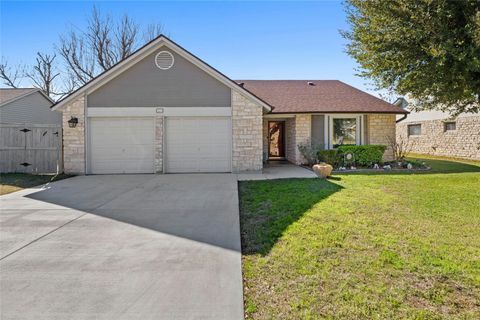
(121,145)
(198,144)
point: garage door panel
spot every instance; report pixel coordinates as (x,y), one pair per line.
(198,144)
(121,145)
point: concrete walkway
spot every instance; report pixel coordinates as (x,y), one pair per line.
(277,171)
(122,247)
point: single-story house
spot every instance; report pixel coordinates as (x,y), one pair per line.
(163,110)
(437,133)
(27,106)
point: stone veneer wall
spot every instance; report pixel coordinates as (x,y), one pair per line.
(381,127)
(290,145)
(265,139)
(247,146)
(158,165)
(298,130)
(463,142)
(74,138)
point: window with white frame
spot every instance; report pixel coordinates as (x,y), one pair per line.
(344,129)
(414,129)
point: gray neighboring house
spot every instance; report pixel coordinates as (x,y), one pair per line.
(437,133)
(27,106)
(163,110)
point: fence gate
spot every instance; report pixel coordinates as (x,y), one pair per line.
(31,148)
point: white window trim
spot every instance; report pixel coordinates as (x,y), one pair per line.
(328,127)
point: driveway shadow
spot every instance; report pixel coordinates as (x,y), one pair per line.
(266,214)
(202,208)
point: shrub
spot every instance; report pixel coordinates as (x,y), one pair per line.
(366,155)
(309,152)
(329,156)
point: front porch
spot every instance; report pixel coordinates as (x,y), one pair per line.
(277,170)
(283,133)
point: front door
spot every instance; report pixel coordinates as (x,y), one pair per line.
(276,139)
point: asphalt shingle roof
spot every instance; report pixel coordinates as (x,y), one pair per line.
(7,94)
(324,96)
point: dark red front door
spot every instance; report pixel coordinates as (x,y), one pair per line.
(276,139)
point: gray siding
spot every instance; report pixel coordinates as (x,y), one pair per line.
(318,132)
(34,109)
(145,85)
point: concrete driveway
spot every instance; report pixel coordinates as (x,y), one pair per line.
(122,247)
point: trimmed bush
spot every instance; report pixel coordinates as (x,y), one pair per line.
(329,156)
(366,155)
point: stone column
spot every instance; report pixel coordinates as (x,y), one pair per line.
(381,127)
(159,120)
(247,146)
(74,138)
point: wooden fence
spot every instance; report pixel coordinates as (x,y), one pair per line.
(31,148)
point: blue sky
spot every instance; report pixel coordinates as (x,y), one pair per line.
(244,40)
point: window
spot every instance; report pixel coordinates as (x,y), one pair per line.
(414,129)
(344,131)
(449,126)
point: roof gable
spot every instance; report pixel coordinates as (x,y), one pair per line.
(143,52)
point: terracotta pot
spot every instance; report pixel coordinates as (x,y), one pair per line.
(322,170)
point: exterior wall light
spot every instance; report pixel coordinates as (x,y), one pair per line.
(72,123)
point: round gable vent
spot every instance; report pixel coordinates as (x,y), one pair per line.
(164,60)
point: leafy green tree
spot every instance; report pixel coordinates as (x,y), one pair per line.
(428,50)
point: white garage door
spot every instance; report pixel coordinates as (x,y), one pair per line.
(121,145)
(198,144)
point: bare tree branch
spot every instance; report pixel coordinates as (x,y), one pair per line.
(152,31)
(78,60)
(99,35)
(126,37)
(43,73)
(11,75)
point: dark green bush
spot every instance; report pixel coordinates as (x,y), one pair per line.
(329,156)
(366,155)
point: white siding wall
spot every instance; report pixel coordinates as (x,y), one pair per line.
(34,109)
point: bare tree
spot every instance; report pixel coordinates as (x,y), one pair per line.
(400,146)
(77,58)
(104,43)
(85,54)
(11,75)
(126,35)
(152,31)
(44,73)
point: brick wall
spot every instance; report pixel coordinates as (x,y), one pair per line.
(74,138)
(463,142)
(379,128)
(247,147)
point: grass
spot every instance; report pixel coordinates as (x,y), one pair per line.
(364,246)
(11,182)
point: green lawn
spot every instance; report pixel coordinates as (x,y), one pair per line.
(364,246)
(11,182)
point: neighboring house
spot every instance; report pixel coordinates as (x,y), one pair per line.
(164,110)
(437,133)
(27,106)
